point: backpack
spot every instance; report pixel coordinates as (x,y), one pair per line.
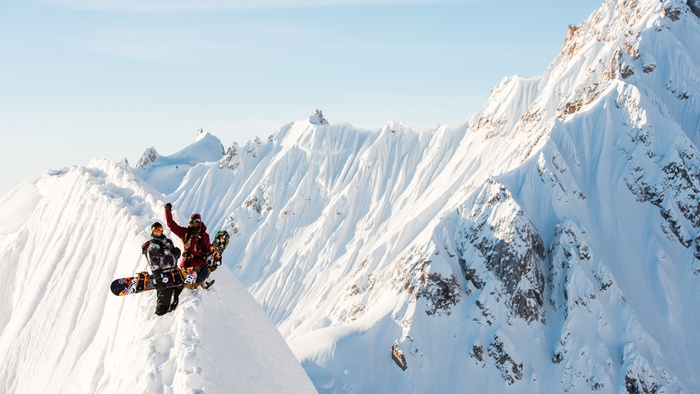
(200,243)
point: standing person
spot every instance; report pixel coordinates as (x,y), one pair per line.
(195,239)
(162,257)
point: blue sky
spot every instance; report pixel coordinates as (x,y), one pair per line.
(110,78)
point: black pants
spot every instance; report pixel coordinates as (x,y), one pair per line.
(164,297)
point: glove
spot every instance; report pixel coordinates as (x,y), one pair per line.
(168,206)
(144,247)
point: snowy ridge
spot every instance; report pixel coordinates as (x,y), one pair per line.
(63,331)
(166,172)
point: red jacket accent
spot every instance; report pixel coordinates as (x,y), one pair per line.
(196,250)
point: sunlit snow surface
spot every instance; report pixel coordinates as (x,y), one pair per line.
(72,233)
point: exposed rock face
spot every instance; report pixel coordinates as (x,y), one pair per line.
(440,293)
(231,160)
(149,156)
(694,6)
(667,180)
(317,118)
(511,370)
(511,249)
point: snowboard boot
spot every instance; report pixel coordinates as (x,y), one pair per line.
(176,300)
(209,284)
(173,305)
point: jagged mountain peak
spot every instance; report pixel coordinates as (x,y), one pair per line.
(166,173)
(205,148)
(317,118)
(645,46)
(621,21)
(148,157)
(651,45)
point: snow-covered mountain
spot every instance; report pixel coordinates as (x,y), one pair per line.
(551,243)
(65,235)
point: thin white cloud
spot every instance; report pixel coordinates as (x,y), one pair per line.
(212,5)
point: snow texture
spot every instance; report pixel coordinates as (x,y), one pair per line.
(69,233)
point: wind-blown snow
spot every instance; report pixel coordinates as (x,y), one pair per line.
(551,243)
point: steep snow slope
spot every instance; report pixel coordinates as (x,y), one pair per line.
(61,330)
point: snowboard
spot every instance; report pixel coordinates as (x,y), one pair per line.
(217,249)
(143,281)
(188,277)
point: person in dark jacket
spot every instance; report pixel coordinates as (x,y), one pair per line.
(196,242)
(161,254)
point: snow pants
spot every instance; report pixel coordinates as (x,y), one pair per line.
(167,298)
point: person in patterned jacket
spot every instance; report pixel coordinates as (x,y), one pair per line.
(162,258)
